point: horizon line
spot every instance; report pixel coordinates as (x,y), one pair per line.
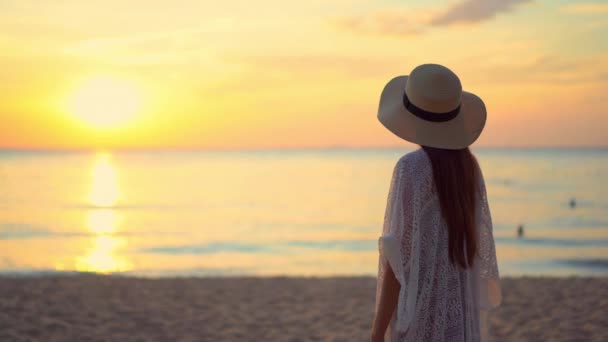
(291,148)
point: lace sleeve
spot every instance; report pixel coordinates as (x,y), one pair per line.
(391,243)
(490,294)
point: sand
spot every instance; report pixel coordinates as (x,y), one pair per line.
(98,308)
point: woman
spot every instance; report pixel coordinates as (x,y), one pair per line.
(437,272)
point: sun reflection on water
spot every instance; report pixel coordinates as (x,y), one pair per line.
(104,186)
(102,257)
(104,221)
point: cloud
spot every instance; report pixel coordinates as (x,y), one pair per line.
(585,8)
(265,75)
(395,22)
(472,11)
(315,64)
(548,69)
(407,22)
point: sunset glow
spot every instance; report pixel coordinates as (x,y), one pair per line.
(105,102)
(226,75)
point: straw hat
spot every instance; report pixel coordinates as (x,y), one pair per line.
(429,108)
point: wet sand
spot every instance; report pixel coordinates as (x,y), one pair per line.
(99,308)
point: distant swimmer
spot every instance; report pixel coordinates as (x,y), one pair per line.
(572,203)
(520,231)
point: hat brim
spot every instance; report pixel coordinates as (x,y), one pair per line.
(458,133)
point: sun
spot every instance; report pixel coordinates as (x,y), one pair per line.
(106,102)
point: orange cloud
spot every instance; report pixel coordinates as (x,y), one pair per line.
(404,22)
(394,22)
(470,11)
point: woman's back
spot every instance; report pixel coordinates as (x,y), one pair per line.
(439,300)
(437,271)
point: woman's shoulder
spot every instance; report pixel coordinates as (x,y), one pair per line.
(416,160)
(414,170)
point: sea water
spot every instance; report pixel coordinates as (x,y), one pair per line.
(290,212)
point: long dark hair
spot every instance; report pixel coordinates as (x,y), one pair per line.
(455,173)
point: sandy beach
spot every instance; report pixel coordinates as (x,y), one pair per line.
(99,308)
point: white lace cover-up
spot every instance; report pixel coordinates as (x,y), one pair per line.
(438,301)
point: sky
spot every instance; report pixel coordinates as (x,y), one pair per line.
(291,74)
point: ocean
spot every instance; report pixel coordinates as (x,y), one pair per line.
(290,212)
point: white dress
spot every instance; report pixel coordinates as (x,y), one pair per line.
(437,300)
